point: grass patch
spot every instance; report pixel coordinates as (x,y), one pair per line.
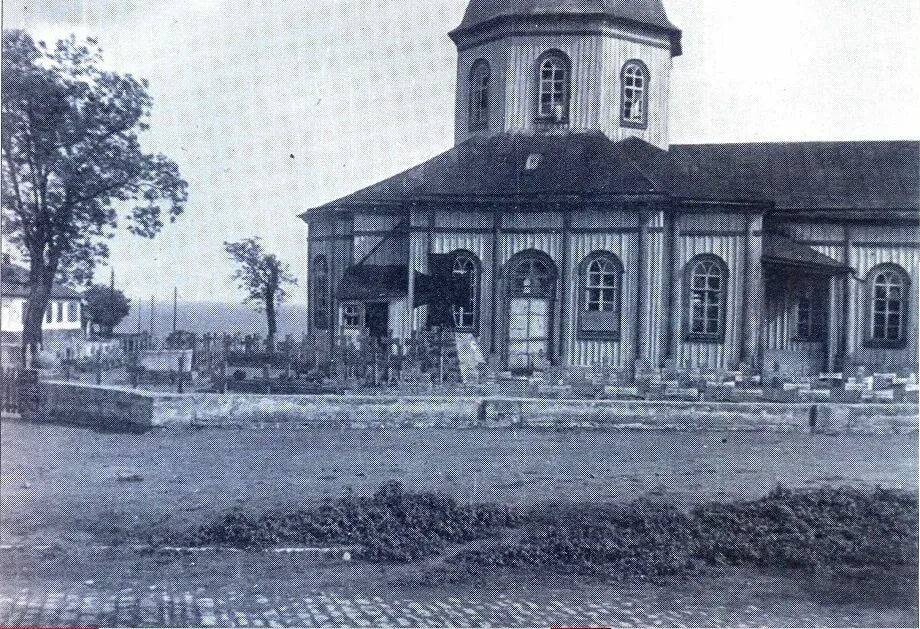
(840,531)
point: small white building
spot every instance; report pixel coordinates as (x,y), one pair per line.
(63,320)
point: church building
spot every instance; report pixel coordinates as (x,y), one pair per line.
(582,237)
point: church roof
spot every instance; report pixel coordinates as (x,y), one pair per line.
(855,176)
(812,175)
(648,13)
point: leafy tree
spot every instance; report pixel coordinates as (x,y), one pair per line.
(105,308)
(263,276)
(73,166)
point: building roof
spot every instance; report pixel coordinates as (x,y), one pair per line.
(782,250)
(14,282)
(813,175)
(648,13)
(853,176)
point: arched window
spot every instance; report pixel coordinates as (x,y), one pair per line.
(480,83)
(634,100)
(467,266)
(554,77)
(706,281)
(888,306)
(320,283)
(533,275)
(602,291)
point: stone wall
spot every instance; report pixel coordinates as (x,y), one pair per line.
(113,406)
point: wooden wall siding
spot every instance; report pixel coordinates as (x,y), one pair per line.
(549,243)
(392,250)
(731,249)
(419,248)
(532,220)
(654,304)
(596,65)
(463,220)
(613,218)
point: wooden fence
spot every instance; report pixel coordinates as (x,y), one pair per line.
(18,390)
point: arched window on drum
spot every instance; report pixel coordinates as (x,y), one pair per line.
(480,86)
(553,87)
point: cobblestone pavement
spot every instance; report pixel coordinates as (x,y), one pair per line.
(156,607)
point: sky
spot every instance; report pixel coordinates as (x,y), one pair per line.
(271,107)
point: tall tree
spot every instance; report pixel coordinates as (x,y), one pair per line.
(105,307)
(73,163)
(263,276)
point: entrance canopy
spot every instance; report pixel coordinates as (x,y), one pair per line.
(782,251)
(374,282)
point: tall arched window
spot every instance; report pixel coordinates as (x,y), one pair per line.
(467,266)
(320,282)
(706,281)
(554,78)
(634,100)
(601,296)
(888,306)
(480,83)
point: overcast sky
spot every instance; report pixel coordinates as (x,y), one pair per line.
(274,106)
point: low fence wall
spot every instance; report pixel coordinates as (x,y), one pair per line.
(111,406)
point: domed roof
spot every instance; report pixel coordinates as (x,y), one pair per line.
(648,13)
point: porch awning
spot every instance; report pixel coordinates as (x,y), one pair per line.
(375,282)
(783,251)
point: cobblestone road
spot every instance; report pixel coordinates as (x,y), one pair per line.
(156,607)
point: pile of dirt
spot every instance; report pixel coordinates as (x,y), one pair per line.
(839,531)
(827,530)
(392,525)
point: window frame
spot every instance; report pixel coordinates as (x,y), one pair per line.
(722,304)
(566,67)
(321,294)
(643,100)
(359,312)
(584,288)
(475,285)
(872,341)
(480,95)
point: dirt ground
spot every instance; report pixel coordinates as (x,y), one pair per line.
(74,489)
(74,485)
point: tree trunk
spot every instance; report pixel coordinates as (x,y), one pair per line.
(36,304)
(272,320)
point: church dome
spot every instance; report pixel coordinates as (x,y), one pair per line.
(647,13)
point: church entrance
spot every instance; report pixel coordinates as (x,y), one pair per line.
(531,294)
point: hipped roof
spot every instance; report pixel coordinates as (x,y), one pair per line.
(789,176)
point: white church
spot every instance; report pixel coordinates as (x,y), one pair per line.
(581,236)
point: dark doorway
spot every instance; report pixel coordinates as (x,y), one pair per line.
(377,319)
